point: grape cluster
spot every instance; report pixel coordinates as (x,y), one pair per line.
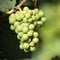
(24,23)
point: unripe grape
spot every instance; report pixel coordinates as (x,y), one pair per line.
(19,28)
(12,27)
(25,30)
(20,34)
(30,33)
(25,50)
(16,31)
(35,40)
(21,46)
(39,22)
(36,10)
(30,20)
(33,12)
(37,17)
(16,23)
(41,13)
(30,11)
(18,37)
(24,37)
(27,15)
(35,34)
(24,24)
(32,49)
(33,17)
(25,20)
(31,26)
(25,9)
(26,45)
(43,19)
(31,43)
(12,20)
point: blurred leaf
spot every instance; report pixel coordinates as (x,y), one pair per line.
(5,5)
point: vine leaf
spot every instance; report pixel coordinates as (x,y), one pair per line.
(5,5)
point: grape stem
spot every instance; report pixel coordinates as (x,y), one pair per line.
(16,7)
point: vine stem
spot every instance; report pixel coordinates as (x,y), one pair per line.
(16,7)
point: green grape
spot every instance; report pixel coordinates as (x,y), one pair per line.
(35,40)
(31,43)
(19,28)
(35,23)
(33,17)
(11,20)
(43,19)
(30,20)
(24,24)
(36,10)
(18,37)
(16,31)
(32,49)
(29,40)
(20,34)
(41,13)
(33,11)
(30,33)
(25,50)
(30,11)
(16,23)
(39,22)
(24,37)
(21,46)
(31,26)
(37,17)
(25,30)
(26,45)
(25,20)
(35,34)
(27,15)
(12,27)
(25,9)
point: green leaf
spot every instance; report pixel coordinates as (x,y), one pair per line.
(5,5)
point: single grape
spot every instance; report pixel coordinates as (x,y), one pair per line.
(25,20)
(12,20)
(35,40)
(30,11)
(33,17)
(20,34)
(21,46)
(30,33)
(26,45)
(12,27)
(39,22)
(31,43)
(25,50)
(18,37)
(35,34)
(41,13)
(30,20)
(24,24)
(43,19)
(25,9)
(37,17)
(16,23)
(32,49)
(31,26)
(25,30)
(29,40)
(24,37)
(27,15)
(35,23)
(33,11)
(16,31)
(19,28)
(36,10)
